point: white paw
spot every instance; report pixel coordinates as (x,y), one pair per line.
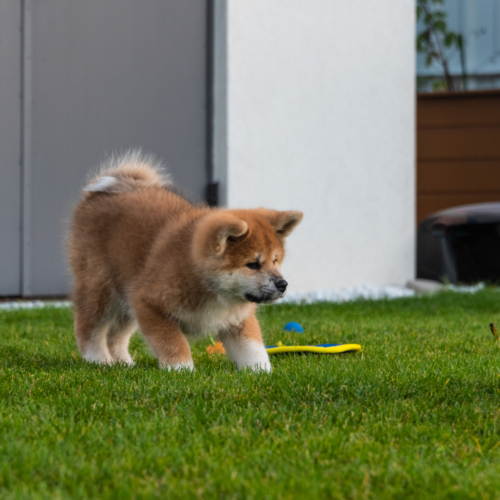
(181,366)
(126,361)
(264,366)
(100,359)
(248,353)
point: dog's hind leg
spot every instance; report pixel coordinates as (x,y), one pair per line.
(91,326)
(119,333)
(92,340)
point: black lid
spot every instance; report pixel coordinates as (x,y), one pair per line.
(479,213)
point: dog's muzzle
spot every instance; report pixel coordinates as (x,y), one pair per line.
(269,294)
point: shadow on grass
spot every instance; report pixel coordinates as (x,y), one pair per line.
(16,358)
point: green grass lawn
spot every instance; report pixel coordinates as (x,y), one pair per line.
(416,415)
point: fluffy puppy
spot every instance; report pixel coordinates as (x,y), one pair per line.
(142,255)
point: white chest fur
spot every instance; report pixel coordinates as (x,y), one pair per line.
(213,317)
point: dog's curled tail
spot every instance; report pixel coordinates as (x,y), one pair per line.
(126,173)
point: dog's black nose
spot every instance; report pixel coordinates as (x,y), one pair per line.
(281,285)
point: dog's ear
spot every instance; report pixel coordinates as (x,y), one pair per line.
(283,222)
(214,231)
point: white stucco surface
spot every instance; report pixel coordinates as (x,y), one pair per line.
(319,117)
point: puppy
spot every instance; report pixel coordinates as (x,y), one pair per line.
(142,255)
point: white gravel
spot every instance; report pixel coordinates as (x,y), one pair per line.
(369,292)
(33,304)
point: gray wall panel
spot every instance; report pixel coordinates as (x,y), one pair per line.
(104,76)
(10,147)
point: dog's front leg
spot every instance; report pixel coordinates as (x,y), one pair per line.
(164,337)
(244,345)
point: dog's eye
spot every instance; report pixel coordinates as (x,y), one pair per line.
(275,260)
(254,265)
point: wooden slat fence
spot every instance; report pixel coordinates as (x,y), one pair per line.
(458,150)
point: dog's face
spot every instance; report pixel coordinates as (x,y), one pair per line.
(241,251)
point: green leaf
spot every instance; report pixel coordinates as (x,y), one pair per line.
(449,39)
(423,36)
(423,42)
(440,26)
(439,86)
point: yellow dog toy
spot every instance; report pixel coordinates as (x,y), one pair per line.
(319,349)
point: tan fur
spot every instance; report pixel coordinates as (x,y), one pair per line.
(140,253)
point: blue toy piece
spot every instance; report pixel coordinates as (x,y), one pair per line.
(293,327)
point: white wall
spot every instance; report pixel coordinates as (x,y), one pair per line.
(315,111)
